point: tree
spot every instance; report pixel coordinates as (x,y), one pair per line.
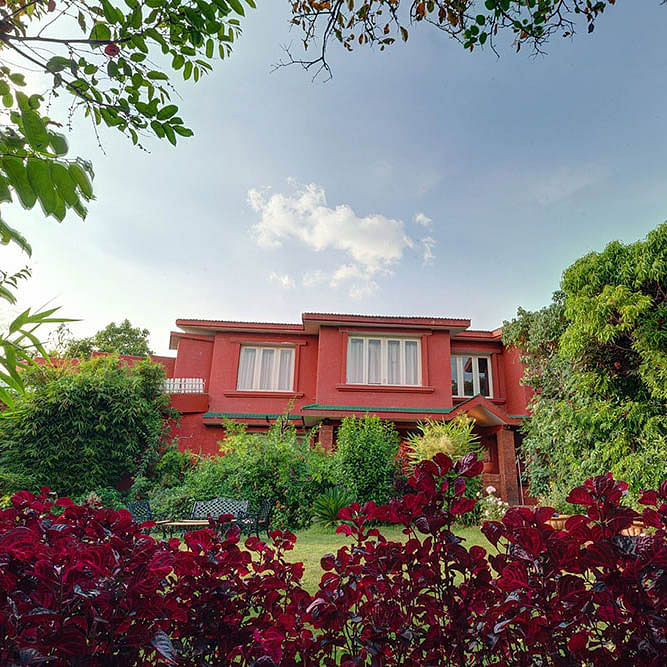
(104,57)
(120,338)
(474,23)
(597,360)
(83,427)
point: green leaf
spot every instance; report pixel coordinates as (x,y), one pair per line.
(81,179)
(4,87)
(58,143)
(5,194)
(35,130)
(183,131)
(64,183)
(237,7)
(210,46)
(9,234)
(39,176)
(59,63)
(15,170)
(157,128)
(168,130)
(17,79)
(167,112)
(157,76)
(8,100)
(100,31)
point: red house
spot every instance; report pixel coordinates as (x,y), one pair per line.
(331,366)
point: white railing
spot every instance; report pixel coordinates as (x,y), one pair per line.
(184,385)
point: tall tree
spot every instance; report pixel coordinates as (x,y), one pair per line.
(120,338)
(597,359)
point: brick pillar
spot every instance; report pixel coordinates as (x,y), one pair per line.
(509,484)
(327,437)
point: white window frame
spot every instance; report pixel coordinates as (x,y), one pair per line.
(275,371)
(475,373)
(384,360)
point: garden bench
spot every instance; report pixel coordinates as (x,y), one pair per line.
(202,509)
(259,519)
(141,511)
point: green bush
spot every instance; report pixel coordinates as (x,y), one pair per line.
(107,497)
(84,427)
(454,438)
(365,458)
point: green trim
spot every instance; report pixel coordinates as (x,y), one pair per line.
(366,408)
(519,416)
(244,415)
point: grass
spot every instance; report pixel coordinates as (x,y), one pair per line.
(313,543)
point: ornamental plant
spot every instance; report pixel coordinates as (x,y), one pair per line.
(84,585)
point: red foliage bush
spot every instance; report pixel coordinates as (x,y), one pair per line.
(82,585)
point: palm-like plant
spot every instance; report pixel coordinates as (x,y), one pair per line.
(18,342)
(328,504)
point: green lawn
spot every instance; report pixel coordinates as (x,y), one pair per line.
(313,543)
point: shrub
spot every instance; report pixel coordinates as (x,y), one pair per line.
(365,457)
(86,585)
(328,504)
(84,427)
(491,507)
(105,497)
(454,439)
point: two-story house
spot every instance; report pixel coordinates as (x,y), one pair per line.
(331,366)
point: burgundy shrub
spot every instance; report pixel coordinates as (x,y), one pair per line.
(88,586)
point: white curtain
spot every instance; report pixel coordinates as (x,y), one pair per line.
(266,369)
(411,362)
(355,361)
(374,361)
(394,362)
(285,370)
(246,368)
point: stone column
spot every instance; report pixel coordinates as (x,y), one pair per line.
(509,484)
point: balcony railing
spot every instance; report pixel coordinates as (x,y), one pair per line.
(184,386)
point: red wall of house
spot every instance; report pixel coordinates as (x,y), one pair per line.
(193,359)
(518,395)
(331,373)
(223,396)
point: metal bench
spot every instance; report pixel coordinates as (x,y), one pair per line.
(202,509)
(259,519)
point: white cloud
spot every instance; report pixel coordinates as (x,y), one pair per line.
(372,245)
(313,278)
(422,219)
(428,243)
(284,280)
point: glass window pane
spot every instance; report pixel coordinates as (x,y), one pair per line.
(394,362)
(266,369)
(355,361)
(455,377)
(246,368)
(374,361)
(468,384)
(483,364)
(285,370)
(411,362)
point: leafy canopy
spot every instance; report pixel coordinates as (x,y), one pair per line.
(83,427)
(115,338)
(597,359)
(114,63)
(473,23)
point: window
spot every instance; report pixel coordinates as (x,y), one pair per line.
(266,368)
(471,376)
(394,361)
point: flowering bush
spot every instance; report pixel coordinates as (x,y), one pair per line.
(492,508)
(85,585)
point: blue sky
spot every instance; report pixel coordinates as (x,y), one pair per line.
(296,196)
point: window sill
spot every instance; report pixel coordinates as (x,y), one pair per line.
(462,399)
(263,394)
(385,388)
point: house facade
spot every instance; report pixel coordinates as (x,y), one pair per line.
(331,366)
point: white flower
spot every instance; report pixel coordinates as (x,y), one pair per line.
(490,490)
